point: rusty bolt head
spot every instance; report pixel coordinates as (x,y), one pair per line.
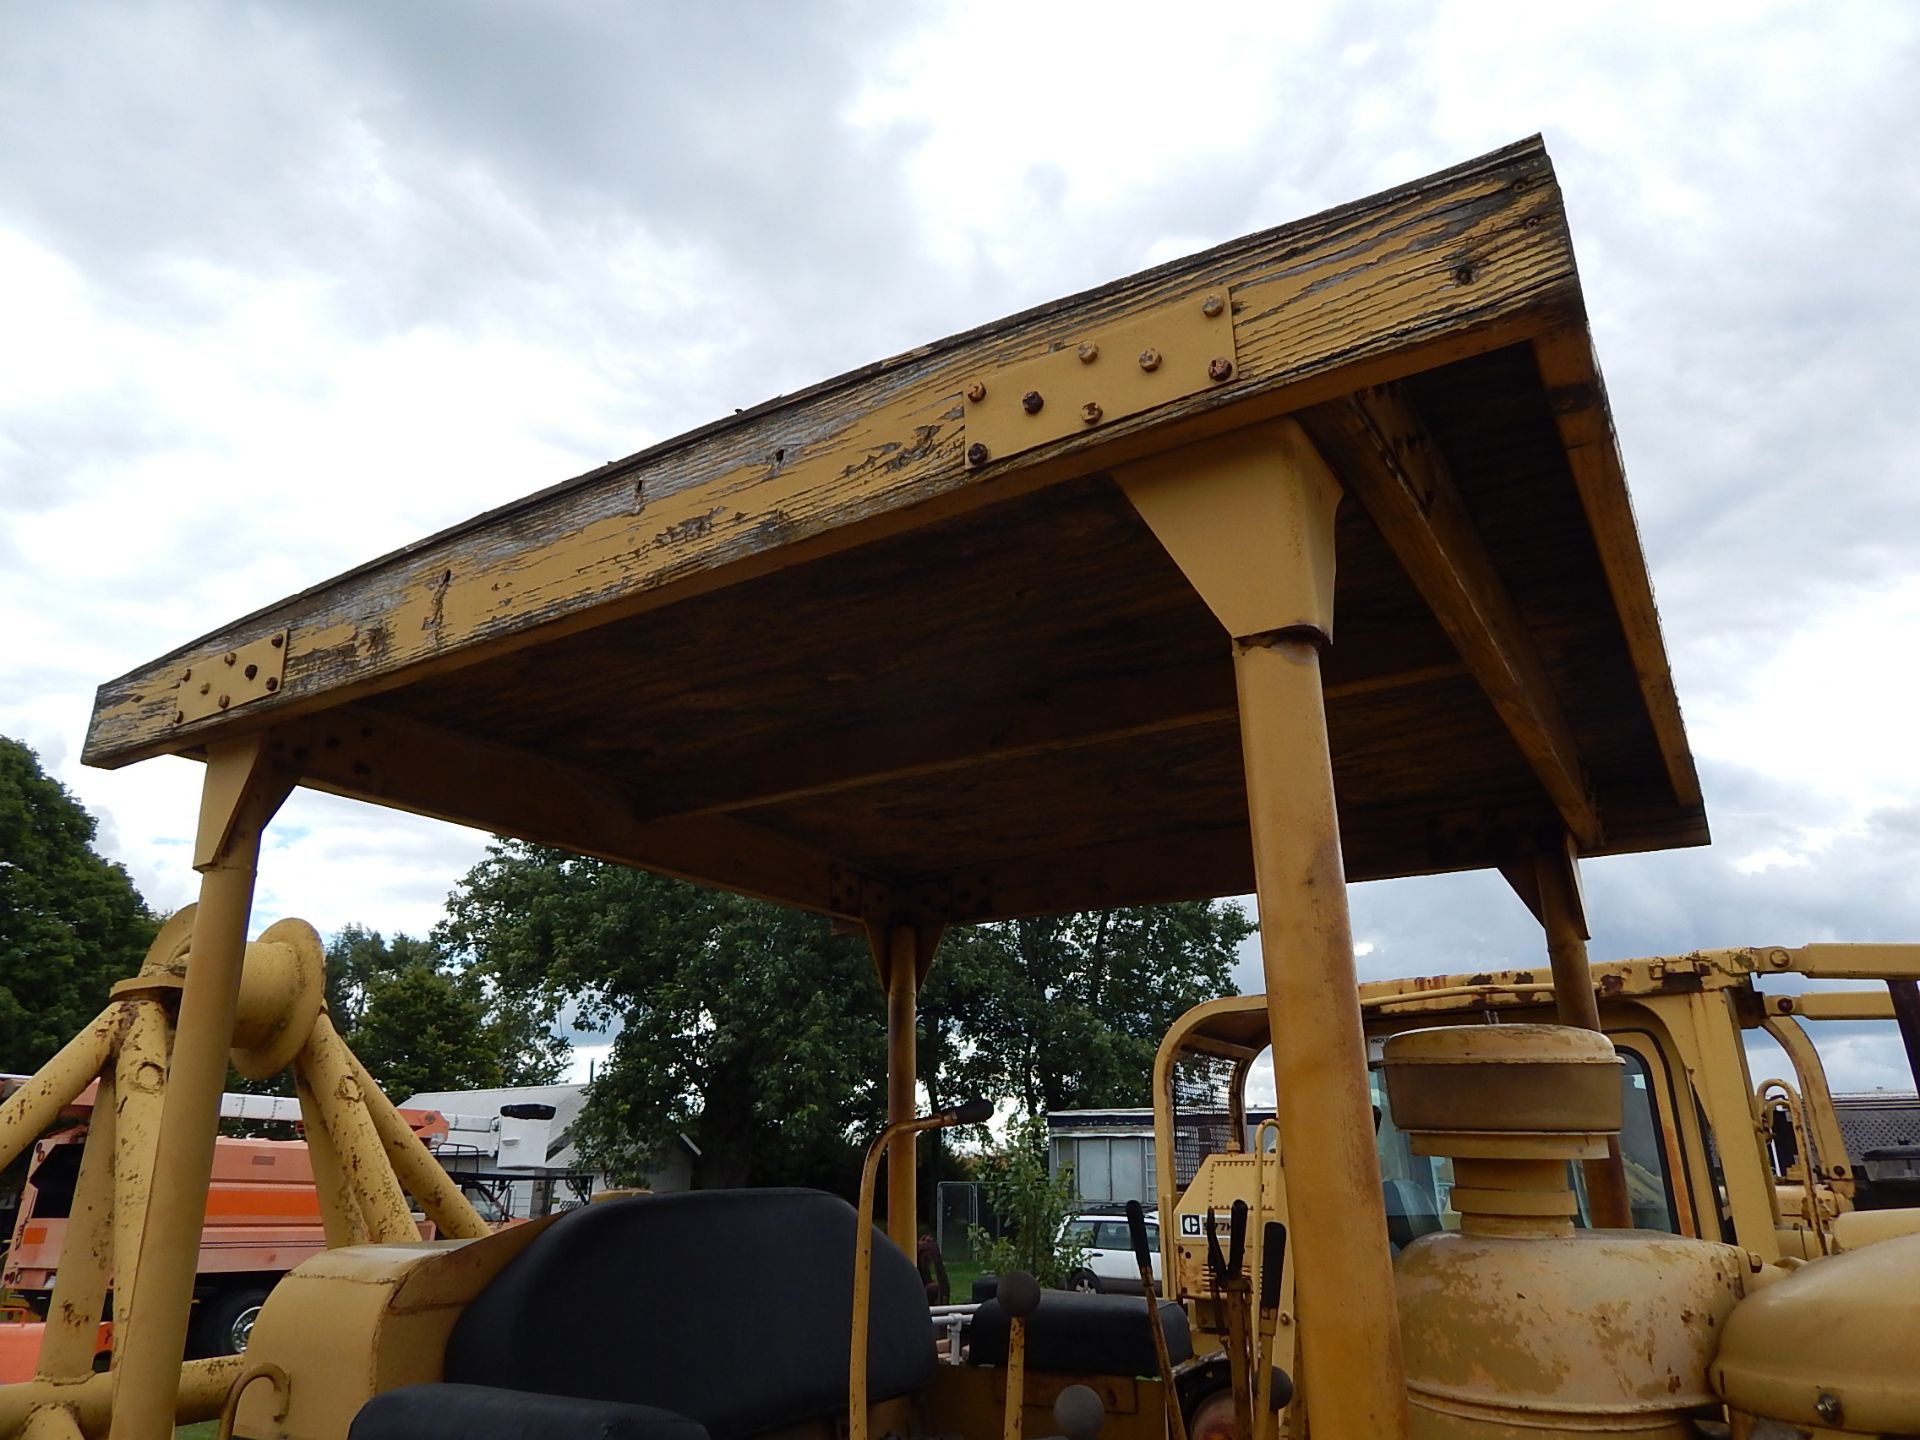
(1032,401)
(976,454)
(228,658)
(1827,1407)
(1088,353)
(186,675)
(205,686)
(1091,412)
(273,684)
(252,671)
(225,701)
(278,641)
(1212,306)
(1149,359)
(179,717)
(976,392)
(1779,959)
(1219,368)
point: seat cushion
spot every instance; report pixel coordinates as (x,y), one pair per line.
(478,1412)
(731,1307)
(1083,1334)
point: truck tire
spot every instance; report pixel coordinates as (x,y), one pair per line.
(226,1321)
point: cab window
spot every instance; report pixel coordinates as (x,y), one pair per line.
(1417,1186)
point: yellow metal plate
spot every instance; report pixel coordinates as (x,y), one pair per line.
(1166,354)
(227,679)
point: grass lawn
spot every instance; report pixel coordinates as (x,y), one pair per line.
(199,1430)
(960,1276)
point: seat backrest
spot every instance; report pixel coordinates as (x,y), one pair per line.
(732,1307)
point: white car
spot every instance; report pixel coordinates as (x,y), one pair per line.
(1108,1262)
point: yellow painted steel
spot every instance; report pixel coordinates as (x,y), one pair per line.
(34,1107)
(341,1100)
(1342,1275)
(903,976)
(1557,875)
(86,1253)
(857,1417)
(340,1213)
(51,1422)
(413,1164)
(202,1389)
(240,794)
(1721,1078)
(1830,1146)
(1249,520)
(140,1083)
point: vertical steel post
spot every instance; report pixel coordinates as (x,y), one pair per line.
(1577,1004)
(239,795)
(1249,519)
(903,1074)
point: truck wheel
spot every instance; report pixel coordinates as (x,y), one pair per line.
(225,1322)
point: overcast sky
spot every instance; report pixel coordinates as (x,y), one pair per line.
(285,286)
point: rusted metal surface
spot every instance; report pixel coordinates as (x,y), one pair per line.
(1104,375)
(223,681)
(1250,523)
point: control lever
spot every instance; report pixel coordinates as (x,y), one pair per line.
(1079,1413)
(1238,1302)
(1275,1390)
(1143,1256)
(1019,1296)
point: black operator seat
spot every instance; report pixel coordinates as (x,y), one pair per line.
(715,1313)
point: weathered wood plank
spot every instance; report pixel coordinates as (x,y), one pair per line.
(1578,397)
(1475,257)
(429,771)
(1384,456)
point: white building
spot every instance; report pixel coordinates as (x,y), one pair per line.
(517,1143)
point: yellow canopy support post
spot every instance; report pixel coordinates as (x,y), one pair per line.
(1249,519)
(902,953)
(242,790)
(1562,912)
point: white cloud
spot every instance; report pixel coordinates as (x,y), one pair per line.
(287,289)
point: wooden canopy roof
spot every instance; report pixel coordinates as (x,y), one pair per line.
(876,647)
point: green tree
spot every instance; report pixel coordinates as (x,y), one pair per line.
(71,922)
(1031,1207)
(418,1021)
(1067,1011)
(751,1029)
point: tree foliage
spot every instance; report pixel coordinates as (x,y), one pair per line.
(1067,1011)
(71,922)
(1031,1206)
(748,1028)
(759,1035)
(420,1022)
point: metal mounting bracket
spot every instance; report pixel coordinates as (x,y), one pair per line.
(228,679)
(1091,380)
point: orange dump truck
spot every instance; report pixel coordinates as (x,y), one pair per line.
(263,1218)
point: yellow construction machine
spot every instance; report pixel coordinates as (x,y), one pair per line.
(1037,618)
(1700,1150)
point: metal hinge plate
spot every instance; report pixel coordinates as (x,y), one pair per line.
(1091,380)
(228,679)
